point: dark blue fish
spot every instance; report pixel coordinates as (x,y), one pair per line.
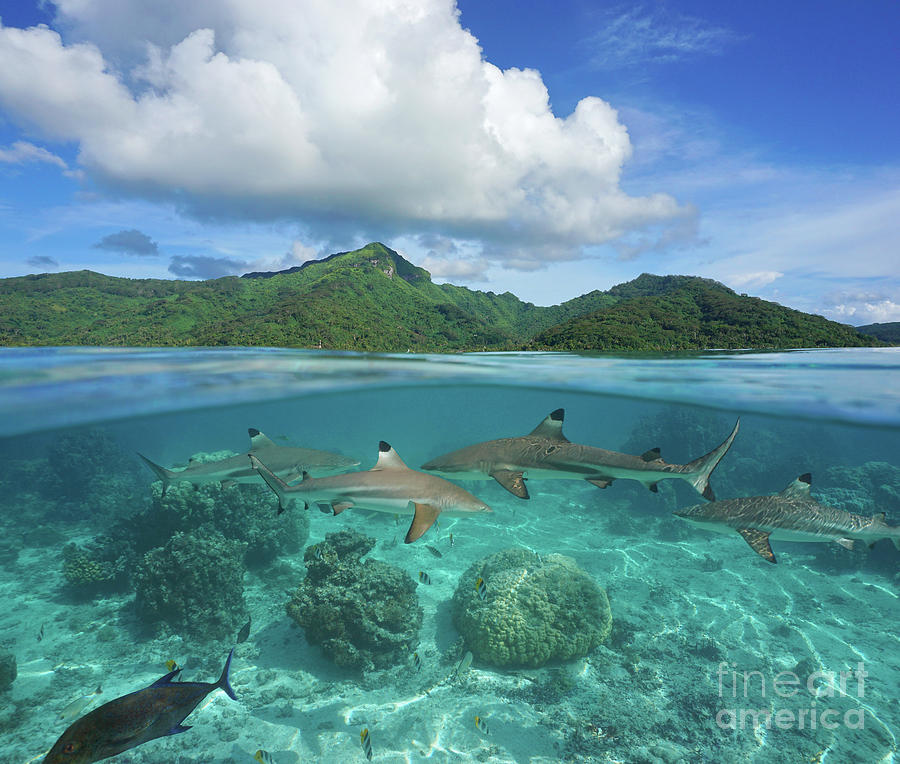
(133,719)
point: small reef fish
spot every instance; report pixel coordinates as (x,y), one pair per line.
(40,635)
(171,665)
(134,719)
(791,515)
(366,743)
(244,633)
(482,726)
(481,588)
(287,461)
(417,661)
(264,757)
(546,453)
(451,539)
(390,486)
(434,551)
(463,666)
(74,709)
(424,578)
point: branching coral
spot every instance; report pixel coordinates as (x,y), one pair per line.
(536,609)
(363,614)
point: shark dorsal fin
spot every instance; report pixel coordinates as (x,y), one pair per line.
(551,427)
(258,440)
(388,458)
(652,455)
(800,487)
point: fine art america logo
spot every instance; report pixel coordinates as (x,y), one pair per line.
(743,692)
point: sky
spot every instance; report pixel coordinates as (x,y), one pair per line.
(543,148)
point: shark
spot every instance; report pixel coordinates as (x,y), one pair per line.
(791,515)
(288,461)
(546,453)
(390,486)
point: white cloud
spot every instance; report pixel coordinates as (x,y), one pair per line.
(466,270)
(21,152)
(370,117)
(754,279)
(637,36)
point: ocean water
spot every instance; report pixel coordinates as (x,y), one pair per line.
(714,655)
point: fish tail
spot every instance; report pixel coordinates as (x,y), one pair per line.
(699,470)
(167,476)
(223,683)
(272,480)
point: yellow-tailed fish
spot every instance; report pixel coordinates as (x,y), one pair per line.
(264,757)
(366,743)
(481,724)
(464,664)
(171,665)
(77,706)
(481,588)
(417,661)
(424,577)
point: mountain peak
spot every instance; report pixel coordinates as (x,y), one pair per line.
(374,254)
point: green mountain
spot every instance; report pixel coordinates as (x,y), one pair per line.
(888,332)
(685,313)
(373,299)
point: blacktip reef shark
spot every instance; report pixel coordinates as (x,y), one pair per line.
(547,453)
(287,461)
(792,515)
(390,486)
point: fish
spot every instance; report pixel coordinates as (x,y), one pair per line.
(264,757)
(435,552)
(791,515)
(134,719)
(390,486)
(40,635)
(451,539)
(171,665)
(366,743)
(463,666)
(482,726)
(546,453)
(481,588)
(74,709)
(417,661)
(244,633)
(287,461)
(424,578)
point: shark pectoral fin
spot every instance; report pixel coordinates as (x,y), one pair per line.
(652,455)
(422,520)
(653,487)
(339,506)
(600,482)
(759,542)
(514,482)
(324,507)
(846,543)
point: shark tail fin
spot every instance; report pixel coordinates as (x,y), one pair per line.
(167,476)
(699,470)
(272,480)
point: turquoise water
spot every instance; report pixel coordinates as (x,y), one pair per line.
(705,639)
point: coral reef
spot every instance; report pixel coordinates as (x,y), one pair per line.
(86,570)
(364,614)
(8,670)
(536,609)
(193,586)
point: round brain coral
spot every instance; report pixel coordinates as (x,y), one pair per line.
(537,608)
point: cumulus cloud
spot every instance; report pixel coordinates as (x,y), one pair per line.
(376,118)
(631,36)
(862,307)
(755,279)
(130,242)
(464,269)
(21,152)
(42,261)
(206,267)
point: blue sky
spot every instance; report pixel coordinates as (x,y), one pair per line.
(542,148)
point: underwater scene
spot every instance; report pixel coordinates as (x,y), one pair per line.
(282,556)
